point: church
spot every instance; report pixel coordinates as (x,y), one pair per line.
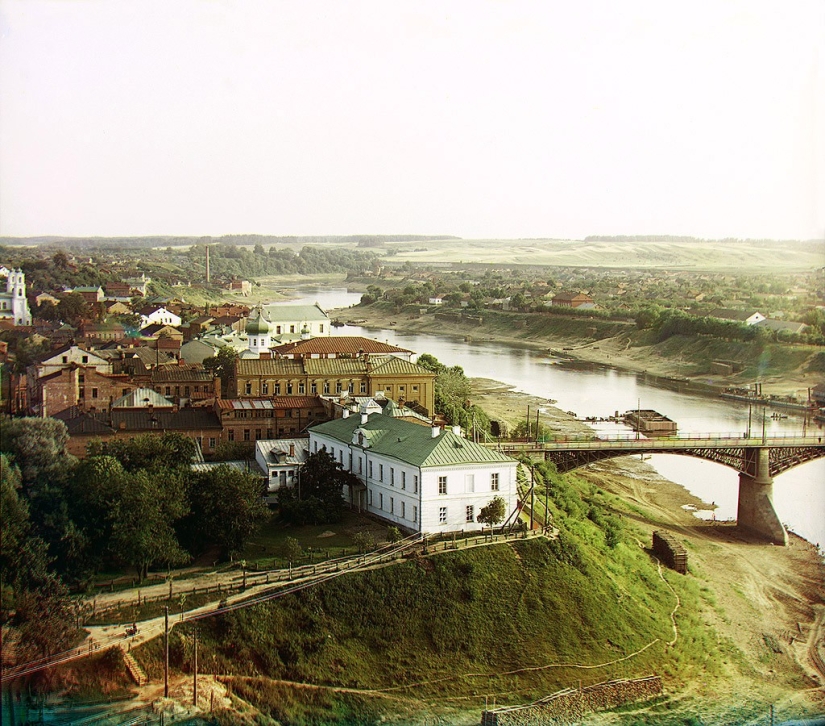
(14,305)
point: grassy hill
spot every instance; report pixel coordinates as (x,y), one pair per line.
(517,621)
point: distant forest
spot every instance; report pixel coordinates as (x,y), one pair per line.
(362,240)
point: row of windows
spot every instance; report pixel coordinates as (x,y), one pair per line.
(469,514)
(403,509)
(271,413)
(290,388)
(186,390)
(270,433)
(392,476)
(469,483)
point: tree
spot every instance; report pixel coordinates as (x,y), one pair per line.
(38,447)
(227,508)
(321,501)
(149,451)
(291,550)
(143,521)
(223,365)
(493,513)
(364,541)
(393,535)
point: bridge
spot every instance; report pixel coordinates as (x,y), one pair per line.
(757,459)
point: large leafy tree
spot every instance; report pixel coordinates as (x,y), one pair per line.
(319,498)
(38,447)
(493,513)
(148,451)
(223,365)
(227,508)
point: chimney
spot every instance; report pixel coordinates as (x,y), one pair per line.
(457,430)
(345,414)
(265,355)
(436,431)
(364,417)
(292,449)
(181,362)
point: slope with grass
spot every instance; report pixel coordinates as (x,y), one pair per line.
(512,622)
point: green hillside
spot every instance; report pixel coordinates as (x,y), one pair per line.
(519,620)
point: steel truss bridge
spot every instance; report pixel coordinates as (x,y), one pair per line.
(757,459)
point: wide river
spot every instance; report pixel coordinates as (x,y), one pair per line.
(799,494)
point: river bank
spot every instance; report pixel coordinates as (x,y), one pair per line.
(613,352)
(767,601)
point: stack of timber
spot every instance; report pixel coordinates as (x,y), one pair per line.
(650,423)
(667,548)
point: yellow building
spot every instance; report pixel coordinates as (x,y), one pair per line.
(396,378)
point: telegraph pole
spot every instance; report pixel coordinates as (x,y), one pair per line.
(195,684)
(532,494)
(166,649)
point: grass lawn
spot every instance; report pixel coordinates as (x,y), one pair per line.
(319,542)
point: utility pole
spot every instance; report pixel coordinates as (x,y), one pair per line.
(166,650)
(764,434)
(195,683)
(528,424)
(532,494)
(537,424)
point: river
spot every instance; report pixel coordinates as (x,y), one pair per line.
(586,390)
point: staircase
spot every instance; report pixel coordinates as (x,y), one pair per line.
(138,676)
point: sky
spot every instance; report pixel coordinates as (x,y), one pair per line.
(481,119)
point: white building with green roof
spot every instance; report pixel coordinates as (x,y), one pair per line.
(421,478)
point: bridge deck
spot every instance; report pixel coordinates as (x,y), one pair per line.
(668,443)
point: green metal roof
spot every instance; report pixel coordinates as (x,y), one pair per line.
(411,443)
(393,366)
(291,313)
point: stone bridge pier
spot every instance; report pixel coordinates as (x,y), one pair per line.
(755,508)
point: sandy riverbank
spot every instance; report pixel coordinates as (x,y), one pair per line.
(612,352)
(768,601)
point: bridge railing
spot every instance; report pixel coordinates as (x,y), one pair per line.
(621,440)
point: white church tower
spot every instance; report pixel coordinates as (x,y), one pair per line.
(13,303)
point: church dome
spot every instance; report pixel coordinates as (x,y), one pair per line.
(258,325)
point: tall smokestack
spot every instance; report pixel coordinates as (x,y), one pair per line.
(207,264)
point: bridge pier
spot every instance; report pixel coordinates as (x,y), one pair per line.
(755,511)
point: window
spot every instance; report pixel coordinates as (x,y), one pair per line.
(442,515)
(392,505)
(415,389)
(321,328)
(289,388)
(291,328)
(380,501)
(340,456)
(83,393)
(84,359)
(269,434)
(370,470)
(370,497)
(277,389)
(338,387)
(469,483)
(257,434)
(302,389)
(186,390)
(380,472)
(168,391)
(363,387)
(351,387)
(415,513)
(211,442)
(248,389)
(94,393)
(326,386)
(469,513)
(246,434)
(392,477)
(64,359)
(494,482)
(316,447)
(403,479)
(278,330)
(264,388)
(403,510)
(442,485)
(314,387)
(231,434)
(360,465)
(415,483)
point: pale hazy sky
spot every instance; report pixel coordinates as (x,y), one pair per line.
(479,119)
